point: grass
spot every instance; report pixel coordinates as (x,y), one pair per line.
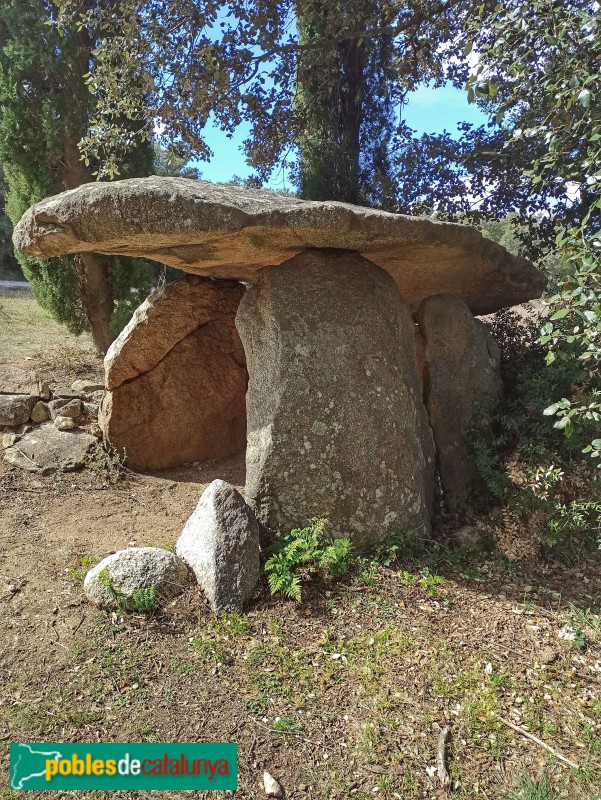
(26,329)
(366,689)
(530,789)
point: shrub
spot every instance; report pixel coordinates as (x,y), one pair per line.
(525,463)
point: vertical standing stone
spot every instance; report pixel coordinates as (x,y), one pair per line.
(462,386)
(334,404)
(177,379)
(220,543)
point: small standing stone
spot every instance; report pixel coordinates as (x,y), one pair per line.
(40,412)
(220,542)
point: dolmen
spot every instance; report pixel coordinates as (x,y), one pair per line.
(339,342)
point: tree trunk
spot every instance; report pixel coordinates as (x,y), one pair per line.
(352,63)
(96,298)
(93,272)
(330,84)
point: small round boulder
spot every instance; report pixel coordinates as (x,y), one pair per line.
(113,582)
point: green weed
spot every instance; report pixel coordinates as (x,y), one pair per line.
(303,552)
(143,599)
(530,789)
(78,571)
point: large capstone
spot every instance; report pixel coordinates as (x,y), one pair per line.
(233,232)
(462,388)
(334,406)
(177,378)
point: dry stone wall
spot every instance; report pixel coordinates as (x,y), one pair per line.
(47,428)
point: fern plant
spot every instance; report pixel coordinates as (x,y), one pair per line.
(143,599)
(304,551)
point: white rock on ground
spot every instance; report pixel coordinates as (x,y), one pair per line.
(64,423)
(220,542)
(272,787)
(137,568)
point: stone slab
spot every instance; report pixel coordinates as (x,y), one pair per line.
(226,231)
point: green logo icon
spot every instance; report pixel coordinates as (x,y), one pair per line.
(86,766)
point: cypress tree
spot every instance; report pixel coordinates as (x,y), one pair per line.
(45,108)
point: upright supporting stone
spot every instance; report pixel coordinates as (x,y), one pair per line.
(177,379)
(334,404)
(462,386)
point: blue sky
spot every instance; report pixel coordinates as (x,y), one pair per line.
(429,111)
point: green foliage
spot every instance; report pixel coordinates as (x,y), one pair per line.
(302,552)
(77,571)
(9,266)
(114,592)
(385,554)
(45,109)
(527,466)
(551,104)
(169,162)
(132,283)
(143,599)
(286,725)
(327,78)
(530,789)
(33,124)
(426,581)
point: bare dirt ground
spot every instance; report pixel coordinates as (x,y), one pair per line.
(340,696)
